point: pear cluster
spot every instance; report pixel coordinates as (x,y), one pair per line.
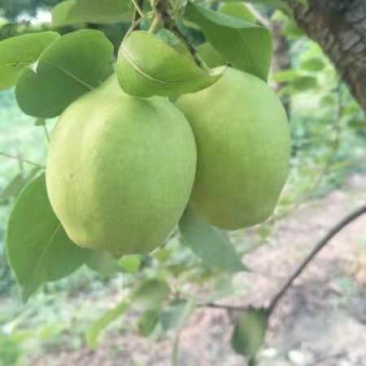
(121,170)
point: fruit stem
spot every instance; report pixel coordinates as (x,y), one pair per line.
(156,24)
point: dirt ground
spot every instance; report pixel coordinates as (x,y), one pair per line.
(320,322)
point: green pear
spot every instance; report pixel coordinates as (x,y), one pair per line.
(243,148)
(120,170)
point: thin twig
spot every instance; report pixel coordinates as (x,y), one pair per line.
(224,307)
(318,247)
(20,159)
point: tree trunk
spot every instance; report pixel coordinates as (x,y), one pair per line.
(339,26)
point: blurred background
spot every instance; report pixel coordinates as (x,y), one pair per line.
(321,321)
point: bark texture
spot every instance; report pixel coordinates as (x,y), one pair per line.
(339,26)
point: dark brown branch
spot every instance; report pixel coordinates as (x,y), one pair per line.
(321,244)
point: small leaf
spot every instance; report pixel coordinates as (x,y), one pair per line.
(285,76)
(37,246)
(148,66)
(72,12)
(40,122)
(304,83)
(249,333)
(67,69)
(246,46)
(150,295)
(108,317)
(103,263)
(277,4)
(209,243)
(176,316)
(313,64)
(13,188)
(148,322)
(19,52)
(130,263)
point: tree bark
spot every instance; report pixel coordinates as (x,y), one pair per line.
(339,26)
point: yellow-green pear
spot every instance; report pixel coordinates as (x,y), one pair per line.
(120,170)
(243,149)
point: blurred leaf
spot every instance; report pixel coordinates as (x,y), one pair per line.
(103,263)
(13,188)
(150,295)
(304,83)
(108,317)
(249,333)
(238,10)
(277,4)
(148,66)
(176,316)
(246,46)
(313,64)
(148,322)
(285,76)
(69,68)
(18,52)
(40,122)
(210,56)
(37,246)
(71,12)
(130,263)
(209,243)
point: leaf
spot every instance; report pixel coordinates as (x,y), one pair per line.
(209,243)
(246,46)
(209,55)
(176,316)
(37,246)
(238,10)
(285,76)
(103,263)
(148,322)
(148,66)
(40,122)
(13,188)
(150,295)
(67,69)
(108,317)
(304,83)
(277,4)
(313,64)
(19,52)
(249,333)
(130,263)
(72,12)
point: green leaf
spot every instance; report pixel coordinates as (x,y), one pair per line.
(277,4)
(304,83)
(313,64)
(67,69)
(130,263)
(72,12)
(238,10)
(246,46)
(209,243)
(37,246)
(150,295)
(209,55)
(285,76)
(148,322)
(19,52)
(108,317)
(176,316)
(148,66)
(13,188)
(103,263)
(249,333)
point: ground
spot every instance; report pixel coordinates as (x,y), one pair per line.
(320,322)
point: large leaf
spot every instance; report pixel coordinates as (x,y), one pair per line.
(249,333)
(209,243)
(209,55)
(238,10)
(19,52)
(246,46)
(71,12)
(37,246)
(148,66)
(176,315)
(67,69)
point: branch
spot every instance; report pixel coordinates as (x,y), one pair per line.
(20,159)
(318,247)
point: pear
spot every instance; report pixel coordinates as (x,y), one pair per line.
(243,149)
(120,170)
